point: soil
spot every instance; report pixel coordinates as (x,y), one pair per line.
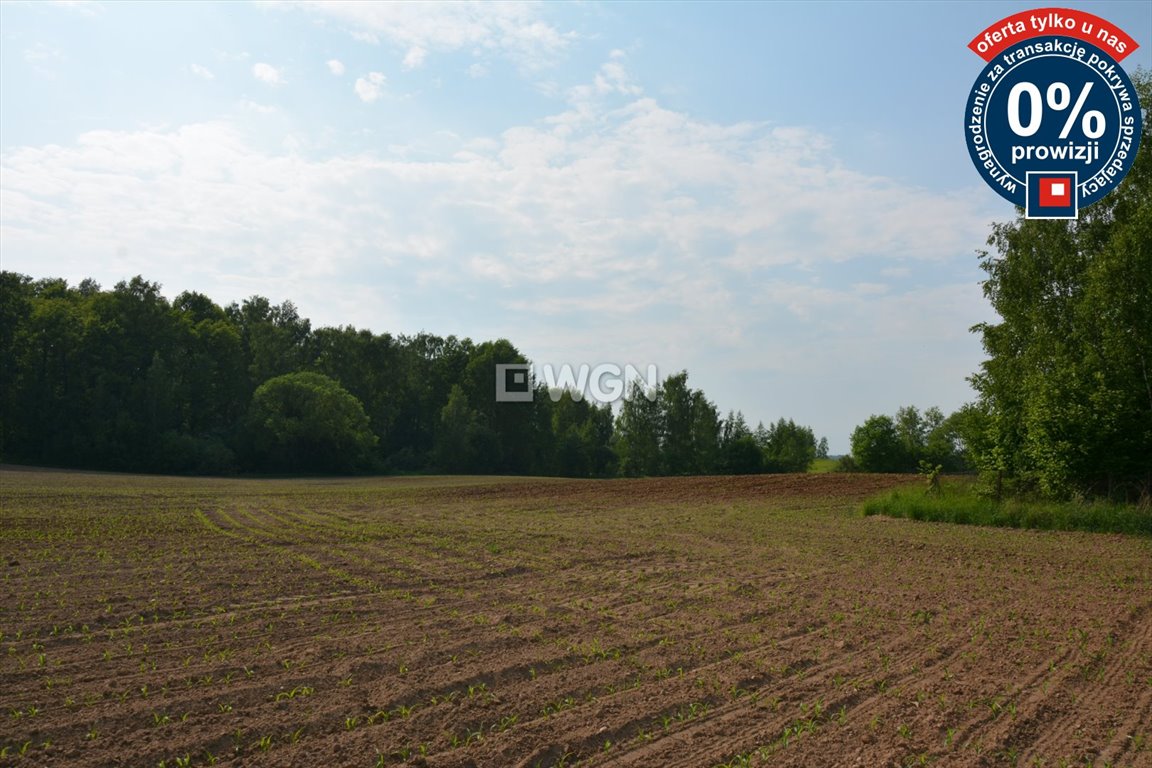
(456,622)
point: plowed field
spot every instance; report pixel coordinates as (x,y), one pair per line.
(456,622)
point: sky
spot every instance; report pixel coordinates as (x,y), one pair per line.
(775,197)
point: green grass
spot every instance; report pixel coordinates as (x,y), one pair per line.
(823,465)
(958,502)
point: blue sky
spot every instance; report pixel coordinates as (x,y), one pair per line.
(776,197)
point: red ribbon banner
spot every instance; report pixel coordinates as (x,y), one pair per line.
(1065,22)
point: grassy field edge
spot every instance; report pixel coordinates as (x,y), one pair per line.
(958,501)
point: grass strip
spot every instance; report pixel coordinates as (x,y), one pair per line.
(959,502)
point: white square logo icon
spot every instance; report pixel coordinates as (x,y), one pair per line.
(512,384)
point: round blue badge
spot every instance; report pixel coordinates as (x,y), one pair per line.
(1053,125)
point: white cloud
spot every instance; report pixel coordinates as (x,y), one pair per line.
(515,31)
(266,73)
(414,59)
(201,72)
(651,196)
(613,77)
(336,67)
(371,87)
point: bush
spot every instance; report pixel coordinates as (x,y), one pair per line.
(307,422)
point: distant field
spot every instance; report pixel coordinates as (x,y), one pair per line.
(823,465)
(483,622)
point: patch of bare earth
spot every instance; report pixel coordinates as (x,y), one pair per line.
(456,622)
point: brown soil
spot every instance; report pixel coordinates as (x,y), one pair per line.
(452,622)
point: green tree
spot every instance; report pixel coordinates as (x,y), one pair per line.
(942,442)
(913,431)
(789,447)
(274,337)
(16,298)
(739,452)
(877,446)
(640,432)
(691,438)
(507,436)
(581,434)
(456,440)
(1066,386)
(427,368)
(307,422)
(742,456)
(371,367)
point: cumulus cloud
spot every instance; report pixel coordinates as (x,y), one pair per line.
(202,72)
(266,73)
(336,67)
(370,87)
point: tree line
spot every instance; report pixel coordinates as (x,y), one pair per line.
(124,379)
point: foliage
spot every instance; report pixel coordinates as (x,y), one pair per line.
(640,432)
(1065,396)
(877,447)
(675,431)
(123,379)
(788,447)
(307,422)
(903,442)
(961,502)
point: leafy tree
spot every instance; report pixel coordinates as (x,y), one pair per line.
(371,367)
(913,431)
(210,370)
(943,445)
(582,434)
(877,446)
(428,366)
(307,422)
(676,431)
(789,447)
(1066,385)
(734,427)
(740,454)
(273,336)
(507,429)
(691,428)
(16,295)
(822,448)
(456,440)
(640,432)
(903,442)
